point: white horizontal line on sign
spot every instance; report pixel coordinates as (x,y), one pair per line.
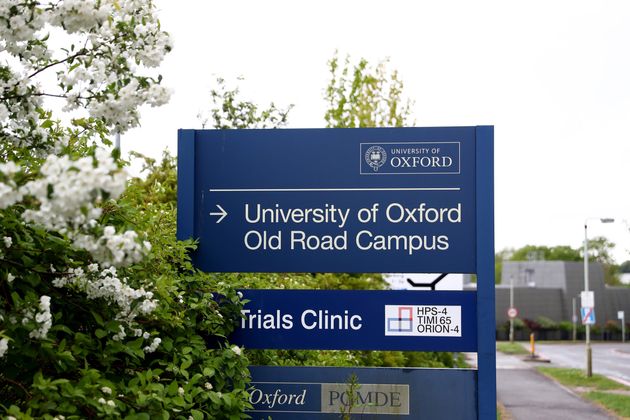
(329,189)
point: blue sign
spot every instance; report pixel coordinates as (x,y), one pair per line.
(330,200)
(588,315)
(324,393)
(358,320)
(416,200)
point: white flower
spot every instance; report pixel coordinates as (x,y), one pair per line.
(111,403)
(237,350)
(69,196)
(108,286)
(180,391)
(106,390)
(9,168)
(120,334)
(154,345)
(4,346)
(102,401)
(10,278)
(4,113)
(7,241)
(208,386)
(43,318)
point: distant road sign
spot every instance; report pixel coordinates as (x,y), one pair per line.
(587,299)
(620,315)
(588,315)
(512,313)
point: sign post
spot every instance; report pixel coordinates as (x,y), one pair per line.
(588,315)
(417,200)
(622,317)
(512,313)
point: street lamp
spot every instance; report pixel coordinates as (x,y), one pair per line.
(589,353)
(574,320)
(511,308)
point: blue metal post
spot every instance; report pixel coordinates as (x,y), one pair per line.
(486,352)
(185,184)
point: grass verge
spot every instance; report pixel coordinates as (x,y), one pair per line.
(620,404)
(511,348)
(609,394)
(502,413)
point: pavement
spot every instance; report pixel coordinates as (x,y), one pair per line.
(529,395)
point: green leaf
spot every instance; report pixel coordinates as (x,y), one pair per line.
(97,318)
(172,388)
(138,416)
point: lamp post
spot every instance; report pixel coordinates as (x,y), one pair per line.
(574,319)
(589,352)
(511,306)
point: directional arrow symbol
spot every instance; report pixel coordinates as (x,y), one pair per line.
(222,213)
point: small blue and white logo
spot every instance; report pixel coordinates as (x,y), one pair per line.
(375,157)
(423,320)
(410,158)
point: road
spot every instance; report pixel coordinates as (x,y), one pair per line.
(611,359)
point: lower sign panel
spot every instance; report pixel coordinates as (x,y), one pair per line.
(358,320)
(325,393)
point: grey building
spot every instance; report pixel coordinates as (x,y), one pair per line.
(547,288)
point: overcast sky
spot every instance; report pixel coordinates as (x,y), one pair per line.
(553,77)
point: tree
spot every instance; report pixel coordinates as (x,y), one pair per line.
(624,267)
(96,321)
(230,111)
(535,252)
(599,251)
(362,95)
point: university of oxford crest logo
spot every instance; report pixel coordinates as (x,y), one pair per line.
(376,157)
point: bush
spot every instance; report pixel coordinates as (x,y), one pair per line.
(546,323)
(519,324)
(80,350)
(612,326)
(532,326)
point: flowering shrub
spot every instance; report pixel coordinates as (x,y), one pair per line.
(101,313)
